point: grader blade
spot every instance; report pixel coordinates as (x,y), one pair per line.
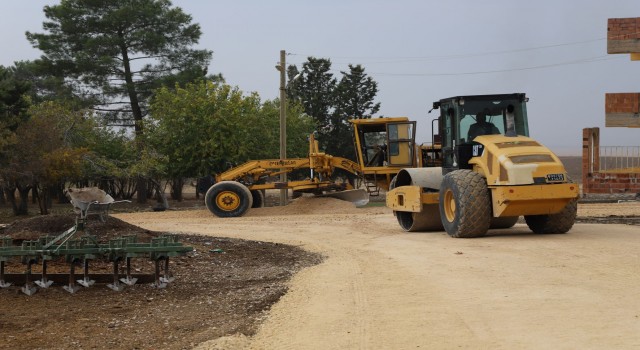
(359,197)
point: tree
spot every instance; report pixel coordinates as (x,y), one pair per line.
(114,160)
(120,51)
(355,95)
(354,99)
(332,104)
(204,128)
(47,85)
(43,155)
(14,103)
(314,89)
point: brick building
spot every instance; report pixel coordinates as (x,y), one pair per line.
(615,170)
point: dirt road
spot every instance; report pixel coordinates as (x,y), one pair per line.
(381,288)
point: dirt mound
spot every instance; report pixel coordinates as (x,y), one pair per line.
(38,226)
(308,206)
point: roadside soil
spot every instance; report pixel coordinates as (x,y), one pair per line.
(321,274)
(225,286)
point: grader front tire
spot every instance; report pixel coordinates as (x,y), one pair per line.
(554,223)
(228,199)
(465,204)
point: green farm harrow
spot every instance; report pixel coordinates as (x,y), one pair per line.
(76,247)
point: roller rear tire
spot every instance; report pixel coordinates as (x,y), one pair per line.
(554,223)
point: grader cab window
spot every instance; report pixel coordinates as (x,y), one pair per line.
(387,144)
(401,138)
(375,147)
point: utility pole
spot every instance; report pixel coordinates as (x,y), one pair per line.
(283,123)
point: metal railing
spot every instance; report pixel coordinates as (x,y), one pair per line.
(619,159)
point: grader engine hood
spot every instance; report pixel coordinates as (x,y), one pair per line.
(516,161)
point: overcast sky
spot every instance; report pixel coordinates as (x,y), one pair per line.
(418,51)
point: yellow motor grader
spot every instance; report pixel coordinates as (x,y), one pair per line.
(242,187)
(384,146)
(491,173)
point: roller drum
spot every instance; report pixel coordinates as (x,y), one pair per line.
(429,218)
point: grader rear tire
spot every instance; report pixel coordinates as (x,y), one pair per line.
(554,223)
(258,198)
(228,199)
(465,204)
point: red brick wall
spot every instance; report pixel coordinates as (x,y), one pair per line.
(596,182)
(622,103)
(590,152)
(623,35)
(623,28)
(612,183)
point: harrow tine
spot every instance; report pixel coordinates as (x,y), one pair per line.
(159,283)
(128,280)
(167,278)
(44,282)
(116,286)
(72,287)
(29,288)
(3,283)
(86,281)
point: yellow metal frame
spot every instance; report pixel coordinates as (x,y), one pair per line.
(497,166)
(532,199)
(506,200)
(410,198)
(257,171)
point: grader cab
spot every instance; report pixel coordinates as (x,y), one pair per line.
(384,146)
(491,173)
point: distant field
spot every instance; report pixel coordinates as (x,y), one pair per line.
(573,164)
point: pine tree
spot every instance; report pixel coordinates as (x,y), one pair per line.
(314,89)
(119,51)
(355,95)
(333,104)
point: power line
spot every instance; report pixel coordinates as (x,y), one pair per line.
(388,59)
(581,61)
(401,59)
(470,55)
